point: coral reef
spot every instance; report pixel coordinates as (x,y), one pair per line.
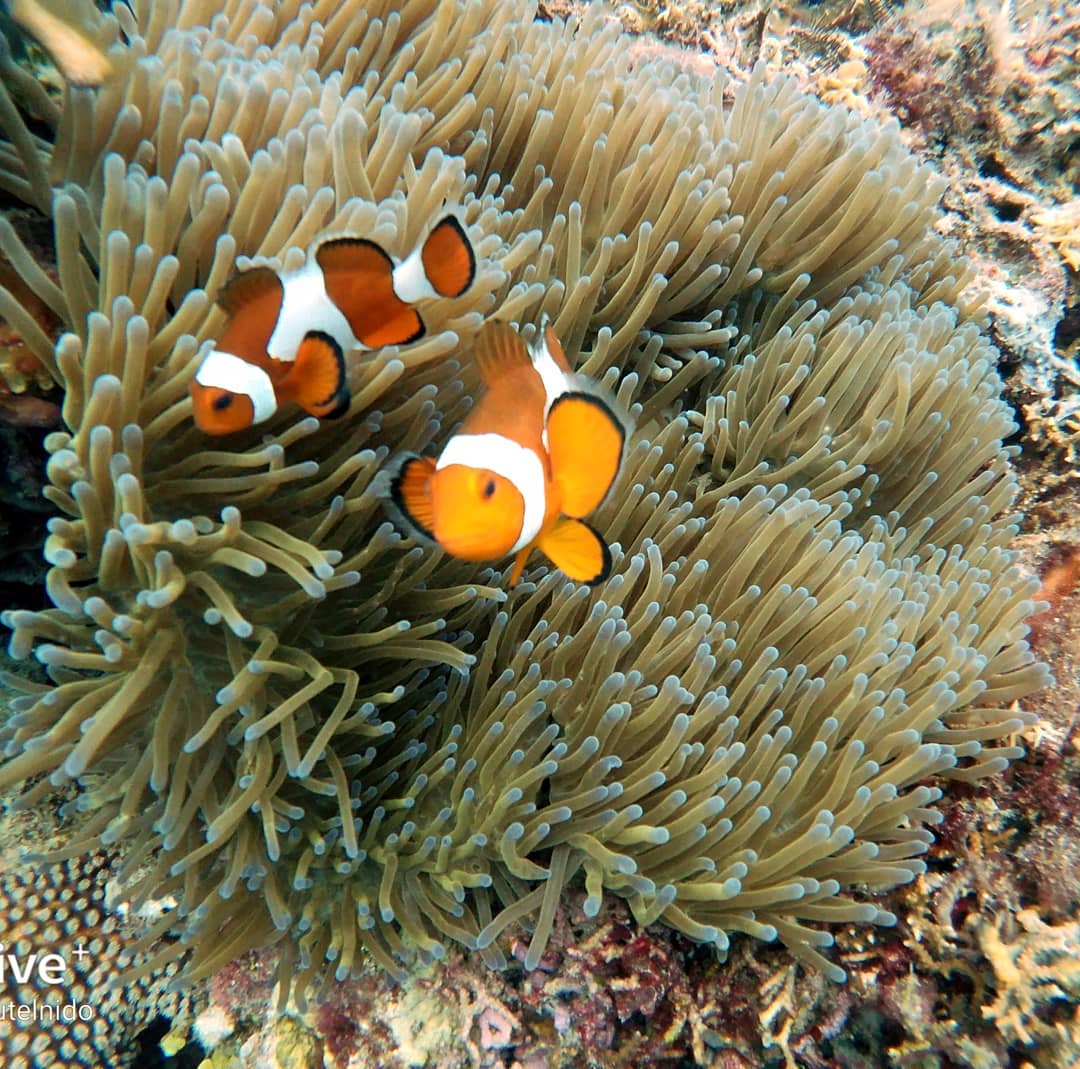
(307,732)
(107,989)
(21,370)
(1035,964)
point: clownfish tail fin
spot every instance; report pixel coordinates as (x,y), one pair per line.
(404,485)
(443,265)
(317,380)
(576,549)
(448,257)
(499,348)
(586,441)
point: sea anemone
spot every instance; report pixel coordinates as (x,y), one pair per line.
(305,729)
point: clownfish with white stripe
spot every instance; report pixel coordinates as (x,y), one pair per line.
(538,452)
(289,331)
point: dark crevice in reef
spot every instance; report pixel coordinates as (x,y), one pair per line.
(23,515)
(149,1055)
(1068,329)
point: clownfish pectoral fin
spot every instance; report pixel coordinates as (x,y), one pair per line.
(577,551)
(317,380)
(499,348)
(448,258)
(257,285)
(405,487)
(520,558)
(359,278)
(585,439)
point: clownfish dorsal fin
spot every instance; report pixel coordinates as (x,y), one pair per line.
(577,551)
(257,285)
(585,439)
(554,347)
(499,348)
(405,487)
(317,380)
(448,257)
(359,278)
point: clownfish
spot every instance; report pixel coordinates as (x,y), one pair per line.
(538,452)
(289,331)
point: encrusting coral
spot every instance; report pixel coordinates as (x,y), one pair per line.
(296,722)
(80,1008)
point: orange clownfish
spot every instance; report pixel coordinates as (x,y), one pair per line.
(289,331)
(537,453)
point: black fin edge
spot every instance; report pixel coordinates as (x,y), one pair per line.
(331,243)
(605,567)
(399,501)
(341,395)
(421,331)
(344,399)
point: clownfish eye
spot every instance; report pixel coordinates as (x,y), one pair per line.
(489,488)
(222,401)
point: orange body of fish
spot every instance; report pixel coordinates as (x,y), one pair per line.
(538,452)
(289,333)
